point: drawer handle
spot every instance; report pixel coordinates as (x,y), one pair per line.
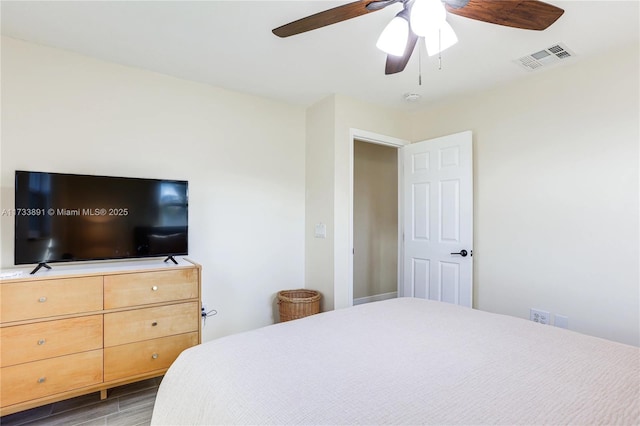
(41,342)
(154,288)
(154,356)
(42,299)
(42,379)
(153,324)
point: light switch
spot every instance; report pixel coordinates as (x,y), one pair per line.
(321,230)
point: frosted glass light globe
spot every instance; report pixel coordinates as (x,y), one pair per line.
(393,39)
(427,15)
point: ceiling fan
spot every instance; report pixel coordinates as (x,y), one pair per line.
(420,18)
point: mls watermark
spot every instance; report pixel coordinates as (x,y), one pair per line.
(66,212)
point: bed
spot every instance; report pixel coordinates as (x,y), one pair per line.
(403,361)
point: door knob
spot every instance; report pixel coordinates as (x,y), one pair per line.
(462,253)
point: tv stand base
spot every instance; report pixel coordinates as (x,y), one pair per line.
(171,259)
(40,265)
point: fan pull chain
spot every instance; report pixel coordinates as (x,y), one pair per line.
(419,65)
(439,49)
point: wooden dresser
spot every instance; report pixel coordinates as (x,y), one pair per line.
(73,331)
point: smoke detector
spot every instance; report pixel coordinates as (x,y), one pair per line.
(411,97)
(545,57)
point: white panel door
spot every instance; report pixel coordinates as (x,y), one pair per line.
(438,219)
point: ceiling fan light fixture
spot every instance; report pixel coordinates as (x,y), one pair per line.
(427,15)
(440,39)
(393,39)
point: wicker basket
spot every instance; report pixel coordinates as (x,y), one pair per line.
(294,304)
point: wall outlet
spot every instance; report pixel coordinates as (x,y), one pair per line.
(537,315)
(203,311)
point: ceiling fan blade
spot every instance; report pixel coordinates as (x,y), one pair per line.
(396,64)
(330,16)
(524,14)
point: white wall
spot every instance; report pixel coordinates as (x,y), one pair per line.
(243,157)
(556,178)
(319,199)
(556,192)
(329,140)
(353,114)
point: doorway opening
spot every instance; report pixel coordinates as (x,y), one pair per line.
(375,271)
(375,222)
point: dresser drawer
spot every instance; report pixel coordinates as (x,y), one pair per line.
(32,342)
(149,287)
(150,323)
(37,379)
(144,357)
(47,298)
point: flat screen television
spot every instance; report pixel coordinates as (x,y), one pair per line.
(69,217)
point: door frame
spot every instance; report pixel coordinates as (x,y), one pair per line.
(379,139)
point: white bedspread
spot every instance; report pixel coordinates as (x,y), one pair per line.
(403,361)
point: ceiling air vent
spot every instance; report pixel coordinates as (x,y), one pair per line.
(545,57)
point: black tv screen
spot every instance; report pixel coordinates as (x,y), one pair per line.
(69,217)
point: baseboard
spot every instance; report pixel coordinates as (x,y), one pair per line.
(375,298)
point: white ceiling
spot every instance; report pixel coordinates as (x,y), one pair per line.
(229,44)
